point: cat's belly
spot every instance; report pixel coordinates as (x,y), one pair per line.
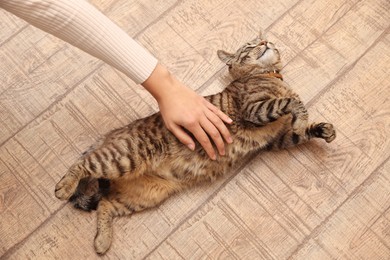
(192,167)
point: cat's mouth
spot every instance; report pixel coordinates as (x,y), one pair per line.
(263,50)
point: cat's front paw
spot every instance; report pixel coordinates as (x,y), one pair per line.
(102,242)
(326,131)
(66,187)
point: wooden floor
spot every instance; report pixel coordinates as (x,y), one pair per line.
(317,201)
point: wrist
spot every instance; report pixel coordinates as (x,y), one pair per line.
(160,83)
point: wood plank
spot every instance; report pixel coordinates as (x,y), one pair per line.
(14,195)
(269,193)
(348,232)
(9,26)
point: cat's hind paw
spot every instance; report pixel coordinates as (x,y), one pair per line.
(66,187)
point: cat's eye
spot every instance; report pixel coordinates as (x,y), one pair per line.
(246,58)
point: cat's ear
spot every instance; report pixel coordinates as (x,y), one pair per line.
(225,56)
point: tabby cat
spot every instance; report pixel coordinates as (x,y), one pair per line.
(138,166)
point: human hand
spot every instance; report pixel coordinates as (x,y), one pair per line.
(187,109)
(181,108)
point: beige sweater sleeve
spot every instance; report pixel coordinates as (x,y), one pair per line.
(82,25)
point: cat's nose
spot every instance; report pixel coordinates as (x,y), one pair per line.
(263,42)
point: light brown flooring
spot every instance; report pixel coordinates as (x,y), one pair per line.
(317,201)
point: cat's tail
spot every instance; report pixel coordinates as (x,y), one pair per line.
(89,192)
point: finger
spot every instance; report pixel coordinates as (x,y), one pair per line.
(204,141)
(218,112)
(183,137)
(220,126)
(213,132)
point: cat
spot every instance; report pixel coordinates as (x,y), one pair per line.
(140,165)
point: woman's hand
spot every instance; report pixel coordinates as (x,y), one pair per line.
(181,108)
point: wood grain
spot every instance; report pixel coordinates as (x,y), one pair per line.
(316,201)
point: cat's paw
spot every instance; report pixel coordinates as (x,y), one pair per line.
(66,187)
(102,243)
(325,131)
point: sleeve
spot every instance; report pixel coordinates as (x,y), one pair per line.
(82,25)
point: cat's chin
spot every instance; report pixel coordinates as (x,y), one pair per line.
(269,59)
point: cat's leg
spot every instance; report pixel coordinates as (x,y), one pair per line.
(127,197)
(109,162)
(316,130)
(266,111)
(106,211)
(68,183)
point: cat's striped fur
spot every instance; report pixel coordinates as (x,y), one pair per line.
(140,165)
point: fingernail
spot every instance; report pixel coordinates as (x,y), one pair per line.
(230,140)
(213,157)
(230,120)
(191,146)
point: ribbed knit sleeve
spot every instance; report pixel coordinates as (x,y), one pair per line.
(82,25)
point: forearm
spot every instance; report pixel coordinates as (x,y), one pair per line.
(82,25)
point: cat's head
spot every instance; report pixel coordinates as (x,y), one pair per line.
(257,56)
